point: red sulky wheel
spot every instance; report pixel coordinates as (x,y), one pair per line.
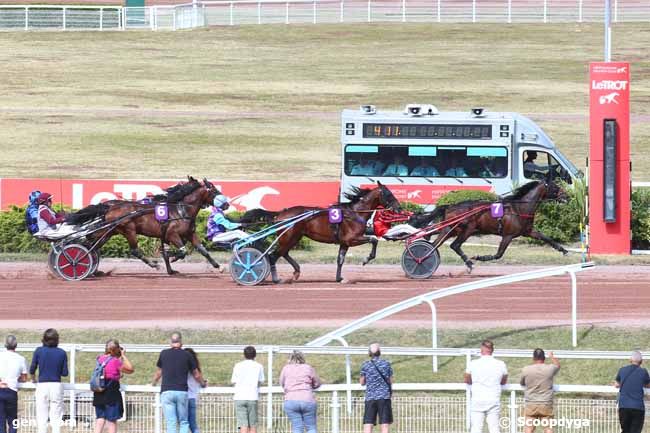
(73,262)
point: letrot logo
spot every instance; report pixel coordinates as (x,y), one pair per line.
(610,98)
(609,85)
(414,194)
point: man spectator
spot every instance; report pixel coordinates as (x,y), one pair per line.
(486,375)
(631,380)
(13,369)
(52,364)
(247,376)
(174,364)
(537,380)
(377,375)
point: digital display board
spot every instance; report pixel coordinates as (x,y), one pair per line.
(428,131)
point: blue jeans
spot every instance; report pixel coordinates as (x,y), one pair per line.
(191,415)
(174,405)
(8,410)
(302,415)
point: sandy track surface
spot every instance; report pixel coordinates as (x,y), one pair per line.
(134,296)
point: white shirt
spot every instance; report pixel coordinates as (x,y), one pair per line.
(193,387)
(12,366)
(487,373)
(247,376)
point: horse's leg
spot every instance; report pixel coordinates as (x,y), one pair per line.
(174,239)
(460,239)
(343,249)
(273,259)
(542,237)
(373,252)
(132,239)
(204,252)
(503,245)
(294,264)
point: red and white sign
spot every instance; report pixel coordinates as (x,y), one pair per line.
(609,98)
(243,196)
(425,194)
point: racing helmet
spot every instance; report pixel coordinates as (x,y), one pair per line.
(33,196)
(43,197)
(220,200)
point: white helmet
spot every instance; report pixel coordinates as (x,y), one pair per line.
(220,200)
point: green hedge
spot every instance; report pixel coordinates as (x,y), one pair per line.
(641,219)
(454,197)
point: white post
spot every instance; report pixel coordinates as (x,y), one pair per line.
(269,395)
(174,19)
(26,18)
(574,310)
(157,415)
(509,11)
(468,395)
(369,19)
(259,13)
(335,412)
(232,6)
(314,12)
(513,412)
(151,18)
(64,24)
(545,6)
(123,18)
(580,11)
(608,31)
(434,334)
(101,18)
(348,375)
(615,10)
(73,381)
(341,15)
(203,20)
(286,13)
(473,11)
(439,11)
(403,11)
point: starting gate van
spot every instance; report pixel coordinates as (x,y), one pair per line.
(421,153)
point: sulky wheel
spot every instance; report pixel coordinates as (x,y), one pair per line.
(73,262)
(249,266)
(420,260)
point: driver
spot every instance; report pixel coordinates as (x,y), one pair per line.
(51,224)
(220,228)
(529,163)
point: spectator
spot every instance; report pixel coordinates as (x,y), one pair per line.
(247,376)
(193,390)
(13,369)
(377,375)
(537,380)
(51,363)
(424,170)
(174,364)
(299,379)
(397,168)
(108,404)
(365,167)
(486,375)
(631,380)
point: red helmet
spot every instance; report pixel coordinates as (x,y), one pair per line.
(43,197)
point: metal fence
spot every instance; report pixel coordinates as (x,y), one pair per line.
(211,13)
(418,408)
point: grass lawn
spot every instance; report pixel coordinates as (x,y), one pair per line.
(263,102)
(217,367)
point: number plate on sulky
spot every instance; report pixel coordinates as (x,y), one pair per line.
(335,215)
(496,210)
(162,212)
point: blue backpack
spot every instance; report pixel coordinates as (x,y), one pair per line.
(31,213)
(98,380)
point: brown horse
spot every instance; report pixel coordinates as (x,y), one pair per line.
(517,220)
(182,204)
(350,232)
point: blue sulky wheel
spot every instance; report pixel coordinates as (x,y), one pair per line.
(420,260)
(249,266)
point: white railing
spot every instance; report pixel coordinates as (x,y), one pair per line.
(417,407)
(207,13)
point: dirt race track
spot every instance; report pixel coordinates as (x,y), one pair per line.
(134,296)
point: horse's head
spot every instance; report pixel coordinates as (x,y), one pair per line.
(212,190)
(554,191)
(387,199)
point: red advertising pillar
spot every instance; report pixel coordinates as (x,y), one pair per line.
(609,158)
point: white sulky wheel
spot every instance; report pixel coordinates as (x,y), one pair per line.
(420,260)
(249,267)
(73,262)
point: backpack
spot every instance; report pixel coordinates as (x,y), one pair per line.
(31,213)
(97,378)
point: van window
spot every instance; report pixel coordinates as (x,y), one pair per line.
(426,161)
(537,164)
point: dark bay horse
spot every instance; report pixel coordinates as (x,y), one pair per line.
(133,218)
(517,220)
(350,232)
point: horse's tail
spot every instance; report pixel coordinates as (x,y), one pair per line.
(88,213)
(419,220)
(258,216)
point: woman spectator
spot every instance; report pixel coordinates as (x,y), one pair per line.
(299,380)
(51,363)
(108,403)
(193,389)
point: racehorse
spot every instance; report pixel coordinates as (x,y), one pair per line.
(350,232)
(132,218)
(517,220)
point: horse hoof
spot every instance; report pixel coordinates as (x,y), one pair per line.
(565,252)
(172,272)
(343,281)
(470,266)
(296,275)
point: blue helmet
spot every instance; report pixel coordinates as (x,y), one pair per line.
(33,196)
(219,200)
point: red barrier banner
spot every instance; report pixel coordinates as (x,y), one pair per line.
(245,195)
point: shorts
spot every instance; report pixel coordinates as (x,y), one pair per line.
(246,411)
(538,410)
(381,409)
(109,412)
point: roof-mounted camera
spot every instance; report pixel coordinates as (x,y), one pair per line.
(368,109)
